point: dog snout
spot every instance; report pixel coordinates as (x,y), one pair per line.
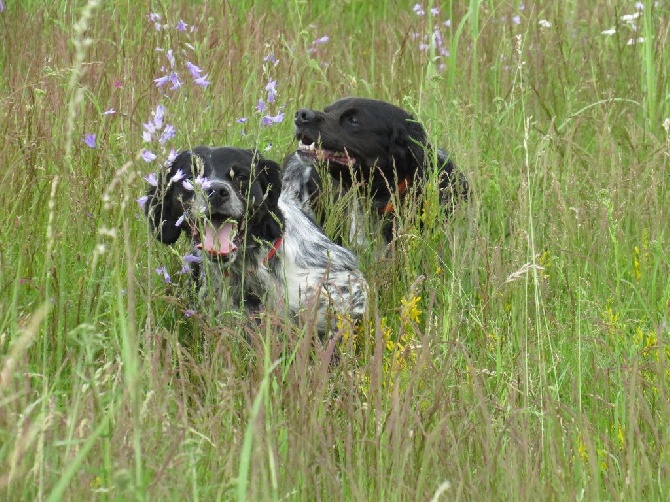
(304,116)
(219,193)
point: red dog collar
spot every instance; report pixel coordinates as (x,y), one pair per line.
(273,250)
(402,188)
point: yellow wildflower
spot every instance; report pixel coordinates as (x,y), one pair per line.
(410,310)
(581,449)
(544,261)
(636,263)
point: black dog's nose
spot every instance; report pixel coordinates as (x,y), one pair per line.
(304,116)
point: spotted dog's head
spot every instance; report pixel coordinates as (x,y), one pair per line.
(226,198)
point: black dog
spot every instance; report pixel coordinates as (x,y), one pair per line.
(256,245)
(374,145)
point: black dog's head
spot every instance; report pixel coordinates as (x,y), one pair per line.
(220,196)
(368,139)
(377,144)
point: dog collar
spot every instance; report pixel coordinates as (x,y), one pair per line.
(271,254)
(273,250)
(402,188)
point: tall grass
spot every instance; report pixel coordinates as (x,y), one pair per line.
(519,351)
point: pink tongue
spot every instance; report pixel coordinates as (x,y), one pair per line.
(218,241)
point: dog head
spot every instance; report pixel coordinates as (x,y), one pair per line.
(224,197)
(363,140)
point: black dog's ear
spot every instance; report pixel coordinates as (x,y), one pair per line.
(452,182)
(408,144)
(165,201)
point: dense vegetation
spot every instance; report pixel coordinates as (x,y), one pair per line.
(518,352)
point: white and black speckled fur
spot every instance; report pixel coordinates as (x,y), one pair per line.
(306,273)
(304,183)
(313,263)
(300,183)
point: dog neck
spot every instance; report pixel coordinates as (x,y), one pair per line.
(271,254)
(403,186)
(273,250)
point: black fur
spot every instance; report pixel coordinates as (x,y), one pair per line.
(376,145)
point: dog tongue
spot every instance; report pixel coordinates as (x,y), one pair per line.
(218,241)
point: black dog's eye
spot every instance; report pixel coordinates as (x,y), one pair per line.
(350,119)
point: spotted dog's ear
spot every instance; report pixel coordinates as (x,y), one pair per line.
(268,173)
(166,201)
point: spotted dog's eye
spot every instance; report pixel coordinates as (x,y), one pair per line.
(241,179)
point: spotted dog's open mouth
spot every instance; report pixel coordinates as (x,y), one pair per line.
(219,236)
(307,146)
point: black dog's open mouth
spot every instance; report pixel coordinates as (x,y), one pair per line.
(308,146)
(218,236)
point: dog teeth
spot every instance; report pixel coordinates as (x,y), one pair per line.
(307,148)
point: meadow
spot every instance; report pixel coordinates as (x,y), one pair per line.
(519,351)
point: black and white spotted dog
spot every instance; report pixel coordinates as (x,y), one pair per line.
(258,247)
(376,147)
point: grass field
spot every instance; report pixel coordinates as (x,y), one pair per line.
(519,352)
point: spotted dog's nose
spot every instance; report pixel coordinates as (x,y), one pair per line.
(219,192)
(304,116)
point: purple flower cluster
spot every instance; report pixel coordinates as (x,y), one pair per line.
(89,140)
(162,271)
(516,18)
(271,113)
(313,49)
(171,77)
(176,72)
(187,261)
(174,75)
(315,44)
(156,19)
(419,11)
(431,40)
(271,95)
(156,130)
